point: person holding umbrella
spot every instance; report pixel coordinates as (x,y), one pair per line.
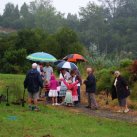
(63,88)
(33,82)
(48,71)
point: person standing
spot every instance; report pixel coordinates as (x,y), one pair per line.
(71,94)
(53,93)
(121,91)
(33,82)
(63,88)
(48,71)
(75,76)
(90,83)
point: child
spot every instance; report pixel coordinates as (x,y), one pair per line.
(53,93)
(46,89)
(71,95)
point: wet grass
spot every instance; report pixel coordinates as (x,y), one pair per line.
(16,121)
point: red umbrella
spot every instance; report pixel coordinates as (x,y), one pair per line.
(74,58)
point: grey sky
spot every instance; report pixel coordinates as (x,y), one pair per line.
(64,6)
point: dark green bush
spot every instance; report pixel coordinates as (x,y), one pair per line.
(104,80)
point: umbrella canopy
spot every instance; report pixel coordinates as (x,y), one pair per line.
(41,57)
(67,65)
(58,61)
(74,58)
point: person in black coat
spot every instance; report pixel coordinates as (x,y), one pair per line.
(33,82)
(90,83)
(121,91)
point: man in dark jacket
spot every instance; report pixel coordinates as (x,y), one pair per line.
(90,83)
(32,82)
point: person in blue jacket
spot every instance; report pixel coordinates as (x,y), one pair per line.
(33,82)
(90,83)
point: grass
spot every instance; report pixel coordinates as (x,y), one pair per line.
(15,83)
(59,123)
(53,121)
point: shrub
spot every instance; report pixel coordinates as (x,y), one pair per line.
(134,67)
(104,80)
(125,63)
(134,92)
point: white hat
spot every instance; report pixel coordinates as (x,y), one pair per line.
(34,65)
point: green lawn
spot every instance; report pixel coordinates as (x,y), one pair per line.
(53,121)
(59,123)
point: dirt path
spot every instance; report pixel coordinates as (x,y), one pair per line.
(103,114)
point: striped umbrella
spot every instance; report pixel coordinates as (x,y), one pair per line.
(74,58)
(67,65)
(41,57)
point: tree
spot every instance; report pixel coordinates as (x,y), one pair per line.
(28,40)
(66,38)
(24,10)
(14,61)
(46,16)
(94,26)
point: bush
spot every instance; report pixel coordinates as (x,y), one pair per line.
(125,63)
(104,80)
(134,67)
(134,92)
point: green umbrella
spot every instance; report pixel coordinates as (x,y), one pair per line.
(41,57)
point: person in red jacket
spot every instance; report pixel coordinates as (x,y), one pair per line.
(72,87)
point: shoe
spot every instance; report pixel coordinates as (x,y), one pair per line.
(56,104)
(30,107)
(88,107)
(126,110)
(119,111)
(95,108)
(36,109)
(62,104)
(53,104)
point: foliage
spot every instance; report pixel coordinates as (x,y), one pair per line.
(134,91)
(111,26)
(14,61)
(15,47)
(134,67)
(104,80)
(125,63)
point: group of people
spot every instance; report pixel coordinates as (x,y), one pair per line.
(66,89)
(62,91)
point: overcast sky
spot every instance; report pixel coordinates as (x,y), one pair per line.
(64,6)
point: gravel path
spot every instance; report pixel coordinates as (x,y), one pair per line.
(103,114)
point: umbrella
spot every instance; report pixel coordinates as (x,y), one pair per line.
(74,58)
(67,65)
(41,57)
(58,61)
